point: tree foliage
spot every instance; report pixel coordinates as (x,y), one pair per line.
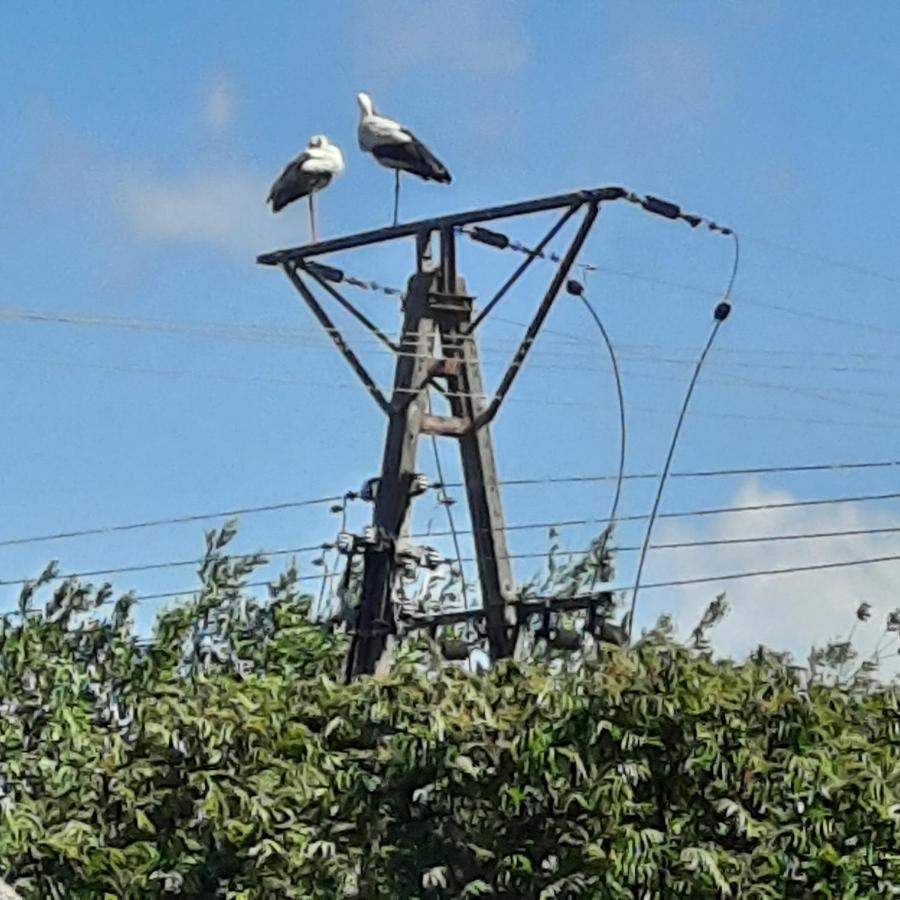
(225,758)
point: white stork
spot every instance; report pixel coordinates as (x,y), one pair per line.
(397,148)
(311,171)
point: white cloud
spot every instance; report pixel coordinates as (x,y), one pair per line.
(209,204)
(786,612)
(219,106)
(467,35)
(225,209)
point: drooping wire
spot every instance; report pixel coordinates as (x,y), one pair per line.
(723,308)
(577,289)
(175,520)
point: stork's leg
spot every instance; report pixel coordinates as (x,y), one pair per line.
(312,216)
(396,194)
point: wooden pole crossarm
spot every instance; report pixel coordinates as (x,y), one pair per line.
(507,211)
(338,338)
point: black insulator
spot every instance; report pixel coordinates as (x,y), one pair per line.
(692,220)
(486,236)
(661,207)
(610,633)
(454,650)
(722,311)
(575,288)
(327,273)
(566,639)
(544,630)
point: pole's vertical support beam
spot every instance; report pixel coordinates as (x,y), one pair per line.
(375,622)
(465,390)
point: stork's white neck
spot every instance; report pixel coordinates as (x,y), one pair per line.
(366,107)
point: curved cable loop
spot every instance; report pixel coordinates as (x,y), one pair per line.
(723,308)
(578,290)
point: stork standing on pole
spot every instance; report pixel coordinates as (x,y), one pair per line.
(397,148)
(311,171)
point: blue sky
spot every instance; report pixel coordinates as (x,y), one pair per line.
(138,146)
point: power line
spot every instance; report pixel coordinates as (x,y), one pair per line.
(535,604)
(828,260)
(789,570)
(511,482)
(877,328)
(174,520)
(717,542)
(691,513)
(697,289)
(141,598)
(697,473)
(168,564)
(673,545)
(538,401)
(539,604)
(311,341)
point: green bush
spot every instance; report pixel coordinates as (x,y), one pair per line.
(225,758)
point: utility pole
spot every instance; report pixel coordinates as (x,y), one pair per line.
(437,308)
(436,305)
(465,392)
(375,622)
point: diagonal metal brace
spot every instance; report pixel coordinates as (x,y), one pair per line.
(559,278)
(337,337)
